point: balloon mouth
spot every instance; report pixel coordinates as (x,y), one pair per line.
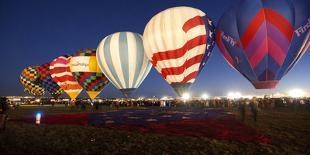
(265,84)
(128,92)
(181,88)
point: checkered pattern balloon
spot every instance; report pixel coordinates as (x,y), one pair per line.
(86,71)
(47,81)
(30,80)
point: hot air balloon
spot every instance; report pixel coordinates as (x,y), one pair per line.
(263,40)
(122,59)
(47,81)
(29,79)
(86,71)
(61,74)
(178,41)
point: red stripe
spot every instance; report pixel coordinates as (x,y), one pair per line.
(276,52)
(280,22)
(193,22)
(60,70)
(190,77)
(64,78)
(266,15)
(180,70)
(223,49)
(253,27)
(260,52)
(177,53)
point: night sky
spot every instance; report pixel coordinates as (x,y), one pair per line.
(33,32)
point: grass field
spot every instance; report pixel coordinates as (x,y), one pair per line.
(289,131)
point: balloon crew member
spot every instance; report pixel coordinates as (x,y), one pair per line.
(3,114)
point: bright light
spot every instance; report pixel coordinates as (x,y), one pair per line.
(164,98)
(38,118)
(296,93)
(248,97)
(234,95)
(186,96)
(38,100)
(204,96)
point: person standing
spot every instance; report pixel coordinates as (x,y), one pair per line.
(3,114)
(242,111)
(253,108)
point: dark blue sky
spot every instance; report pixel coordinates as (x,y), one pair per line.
(33,32)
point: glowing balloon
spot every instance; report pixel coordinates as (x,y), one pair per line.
(29,78)
(264,39)
(86,71)
(47,81)
(122,59)
(62,75)
(178,41)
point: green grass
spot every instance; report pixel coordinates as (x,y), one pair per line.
(289,131)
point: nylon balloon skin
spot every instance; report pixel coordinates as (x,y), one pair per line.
(47,81)
(62,75)
(263,39)
(178,41)
(29,78)
(86,71)
(122,59)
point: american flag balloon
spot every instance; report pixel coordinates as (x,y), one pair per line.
(178,41)
(62,75)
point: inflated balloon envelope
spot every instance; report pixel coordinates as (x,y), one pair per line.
(29,78)
(62,75)
(86,71)
(122,59)
(47,82)
(263,40)
(178,41)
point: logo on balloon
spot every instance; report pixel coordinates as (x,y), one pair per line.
(80,64)
(230,40)
(303,29)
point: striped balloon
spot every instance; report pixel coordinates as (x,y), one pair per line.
(61,74)
(179,41)
(47,81)
(122,59)
(29,78)
(263,40)
(86,71)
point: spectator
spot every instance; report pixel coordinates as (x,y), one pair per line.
(242,110)
(253,110)
(3,114)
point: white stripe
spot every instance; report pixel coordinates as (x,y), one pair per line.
(143,70)
(73,90)
(67,83)
(59,65)
(104,66)
(61,74)
(195,32)
(180,61)
(179,78)
(132,57)
(115,54)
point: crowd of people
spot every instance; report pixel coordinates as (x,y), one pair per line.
(242,105)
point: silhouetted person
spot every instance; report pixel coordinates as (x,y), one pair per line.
(242,110)
(3,114)
(254,111)
(96,105)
